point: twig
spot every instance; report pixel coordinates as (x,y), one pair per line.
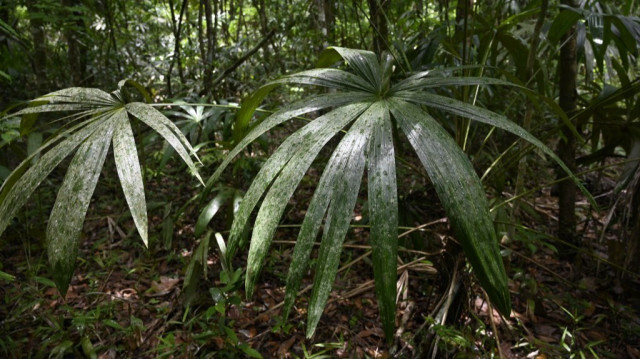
(244,58)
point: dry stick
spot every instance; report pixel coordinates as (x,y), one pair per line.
(242,59)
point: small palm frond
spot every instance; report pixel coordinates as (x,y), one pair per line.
(368,105)
(99,119)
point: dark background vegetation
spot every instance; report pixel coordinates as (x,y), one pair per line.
(572,267)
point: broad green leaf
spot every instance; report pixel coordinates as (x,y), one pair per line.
(314,136)
(491,118)
(350,157)
(129,172)
(67,216)
(210,210)
(22,182)
(333,121)
(167,129)
(383,209)
(561,24)
(297,109)
(462,197)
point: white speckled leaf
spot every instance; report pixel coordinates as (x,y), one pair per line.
(314,135)
(333,121)
(350,159)
(296,109)
(17,189)
(383,209)
(79,95)
(462,197)
(129,172)
(167,129)
(148,112)
(69,211)
(479,114)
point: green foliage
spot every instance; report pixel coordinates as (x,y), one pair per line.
(373,106)
(98,119)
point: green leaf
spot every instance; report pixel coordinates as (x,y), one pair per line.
(462,197)
(491,118)
(364,63)
(67,216)
(383,206)
(79,95)
(311,138)
(297,109)
(167,129)
(561,24)
(129,172)
(243,118)
(349,158)
(329,123)
(22,182)
(210,210)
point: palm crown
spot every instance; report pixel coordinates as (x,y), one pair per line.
(369,105)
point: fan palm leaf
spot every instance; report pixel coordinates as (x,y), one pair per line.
(368,107)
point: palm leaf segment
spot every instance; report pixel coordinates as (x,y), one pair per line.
(368,103)
(100,119)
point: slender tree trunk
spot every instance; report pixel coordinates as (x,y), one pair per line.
(528,116)
(209,10)
(326,21)
(76,50)
(568,73)
(378,12)
(177,30)
(39,59)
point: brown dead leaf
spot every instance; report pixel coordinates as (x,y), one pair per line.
(284,347)
(164,286)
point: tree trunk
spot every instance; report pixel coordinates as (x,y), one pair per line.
(377,12)
(326,21)
(39,59)
(568,72)
(209,10)
(76,51)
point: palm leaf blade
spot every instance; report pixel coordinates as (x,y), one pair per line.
(129,172)
(336,119)
(321,130)
(350,156)
(296,109)
(383,206)
(72,202)
(17,189)
(461,193)
(491,118)
(167,129)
